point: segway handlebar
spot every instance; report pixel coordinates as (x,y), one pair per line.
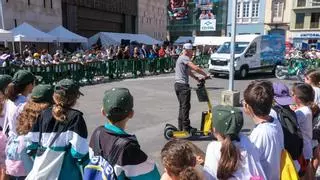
(202,81)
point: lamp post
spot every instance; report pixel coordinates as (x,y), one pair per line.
(231,97)
(2,18)
(233,38)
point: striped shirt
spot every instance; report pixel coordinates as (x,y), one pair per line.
(73,139)
(133,163)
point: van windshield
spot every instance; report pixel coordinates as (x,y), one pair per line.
(239,47)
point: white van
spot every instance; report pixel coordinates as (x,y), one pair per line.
(252,53)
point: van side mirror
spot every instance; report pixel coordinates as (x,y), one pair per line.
(248,54)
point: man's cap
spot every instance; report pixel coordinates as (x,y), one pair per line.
(117,102)
(282,94)
(67,86)
(36,55)
(42,93)
(187,46)
(227,120)
(23,77)
(4,81)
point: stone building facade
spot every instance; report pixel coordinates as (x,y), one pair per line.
(152,18)
(42,14)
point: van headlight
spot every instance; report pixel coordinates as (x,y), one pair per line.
(236,59)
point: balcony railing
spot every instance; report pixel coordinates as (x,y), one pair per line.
(299,26)
(314,25)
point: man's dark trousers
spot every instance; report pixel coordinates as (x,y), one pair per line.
(183,93)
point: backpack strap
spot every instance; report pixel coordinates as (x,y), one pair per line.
(97,146)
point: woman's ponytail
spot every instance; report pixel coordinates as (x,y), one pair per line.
(13,91)
(229,160)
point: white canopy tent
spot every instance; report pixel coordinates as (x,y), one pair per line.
(27,33)
(184,39)
(210,40)
(63,35)
(5,35)
(108,38)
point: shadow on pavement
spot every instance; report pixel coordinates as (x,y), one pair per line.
(251,76)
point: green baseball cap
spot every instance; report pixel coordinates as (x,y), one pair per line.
(23,77)
(117,102)
(42,93)
(4,81)
(227,120)
(67,86)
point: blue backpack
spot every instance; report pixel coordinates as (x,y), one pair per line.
(100,167)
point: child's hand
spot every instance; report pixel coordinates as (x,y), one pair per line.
(293,107)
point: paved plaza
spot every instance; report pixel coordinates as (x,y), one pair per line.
(155,105)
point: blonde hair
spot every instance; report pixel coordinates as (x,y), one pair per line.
(29,115)
(61,104)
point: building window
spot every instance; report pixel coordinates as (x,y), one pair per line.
(255,9)
(15,23)
(238,10)
(299,20)
(301,3)
(28,2)
(315,2)
(44,3)
(51,5)
(315,19)
(277,9)
(245,9)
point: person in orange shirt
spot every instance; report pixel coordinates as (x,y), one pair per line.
(162,52)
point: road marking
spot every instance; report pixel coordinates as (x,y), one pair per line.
(150,78)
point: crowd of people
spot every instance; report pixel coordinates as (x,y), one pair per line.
(32,57)
(307,54)
(44,137)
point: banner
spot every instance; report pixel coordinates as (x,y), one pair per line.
(208,25)
(178,9)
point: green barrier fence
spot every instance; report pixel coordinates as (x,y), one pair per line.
(113,69)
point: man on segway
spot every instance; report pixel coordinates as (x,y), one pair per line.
(183,70)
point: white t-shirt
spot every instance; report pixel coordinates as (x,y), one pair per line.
(304,118)
(2,117)
(250,164)
(268,139)
(13,109)
(316,95)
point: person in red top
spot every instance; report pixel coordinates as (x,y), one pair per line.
(162,52)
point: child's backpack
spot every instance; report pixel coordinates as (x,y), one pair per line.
(100,167)
(18,162)
(293,141)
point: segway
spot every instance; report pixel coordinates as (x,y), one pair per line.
(204,133)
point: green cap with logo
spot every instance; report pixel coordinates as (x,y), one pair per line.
(117,102)
(227,120)
(67,86)
(4,81)
(42,93)
(23,77)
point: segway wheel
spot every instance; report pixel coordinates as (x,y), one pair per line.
(168,132)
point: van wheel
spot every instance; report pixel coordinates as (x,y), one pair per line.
(243,73)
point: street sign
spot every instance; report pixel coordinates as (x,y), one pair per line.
(208,25)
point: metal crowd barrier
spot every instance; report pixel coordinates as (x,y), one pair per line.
(114,69)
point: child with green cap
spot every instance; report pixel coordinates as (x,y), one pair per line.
(232,155)
(132,162)
(62,130)
(17,92)
(18,162)
(4,81)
